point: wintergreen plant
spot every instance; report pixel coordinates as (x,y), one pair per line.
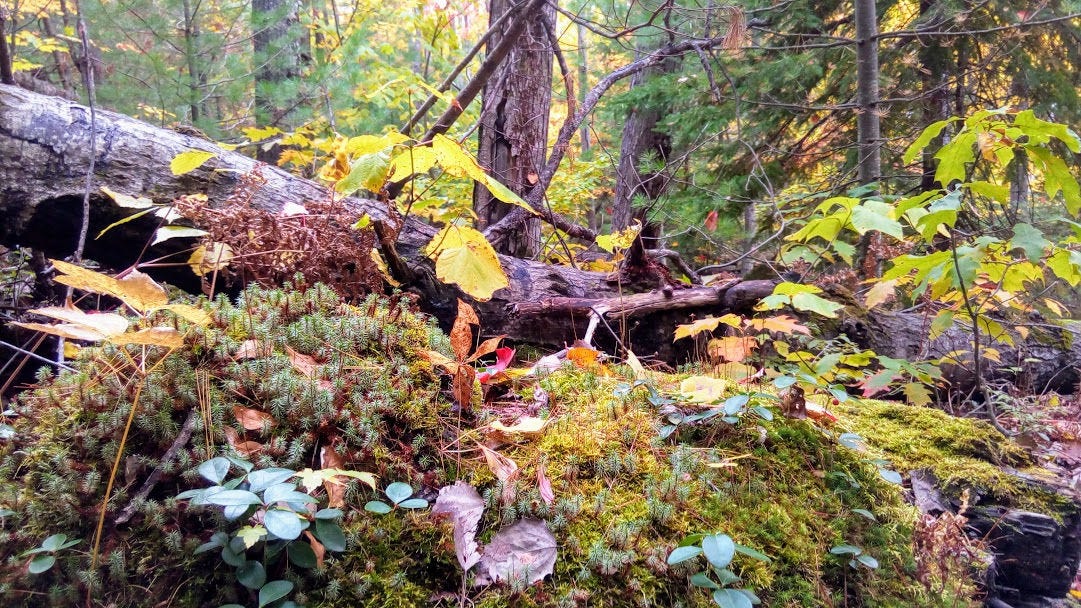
(719,550)
(858,557)
(399,494)
(45,554)
(277,514)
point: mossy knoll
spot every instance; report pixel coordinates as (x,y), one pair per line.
(624,498)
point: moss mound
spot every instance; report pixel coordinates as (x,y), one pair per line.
(353,380)
(961,452)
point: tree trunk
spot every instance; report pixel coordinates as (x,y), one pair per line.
(44,152)
(935,65)
(641,144)
(513,135)
(868,123)
(275,40)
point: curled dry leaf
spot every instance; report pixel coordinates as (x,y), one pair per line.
(335,486)
(462,385)
(488,346)
(461,335)
(528,427)
(244,449)
(317,548)
(135,289)
(584,357)
(505,470)
(210,258)
(544,485)
(106,324)
(253,420)
(252,349)
(523,553)
(463,506)
(439,359)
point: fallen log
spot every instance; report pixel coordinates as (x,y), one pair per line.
(44,154)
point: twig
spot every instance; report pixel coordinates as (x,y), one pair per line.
(458,69)
(36,356)
(495,56)
(181,440)
(88,80)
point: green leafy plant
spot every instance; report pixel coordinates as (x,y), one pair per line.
(399,494)
(857,556)
(277,514)
(45,554)
(719,550)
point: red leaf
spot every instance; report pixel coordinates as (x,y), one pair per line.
(711,220)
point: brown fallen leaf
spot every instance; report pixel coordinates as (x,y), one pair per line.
(253,420)
(252,349)
(439,359)
(462,385)
(317,548)
(242,448)
(304,364)
(461,335)
(329,458)
(505,469)
(487,347)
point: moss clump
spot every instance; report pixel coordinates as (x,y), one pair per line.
(353,380)
(961,452)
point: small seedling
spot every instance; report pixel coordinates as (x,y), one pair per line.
(45,555)
(399,494)
(859,558)
(719,550)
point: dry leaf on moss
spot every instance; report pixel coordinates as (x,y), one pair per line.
(304,364)
(243,449)
(528,427)
(523,553)
(335,486)
(253,420)
(464,506)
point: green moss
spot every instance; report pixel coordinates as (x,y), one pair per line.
(961,452)
(623,497)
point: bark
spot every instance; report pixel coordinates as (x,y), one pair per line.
(514,122)
(44,152)
(868,123)
(276,43)
(641,143)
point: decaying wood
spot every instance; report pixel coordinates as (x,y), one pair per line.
(44,147)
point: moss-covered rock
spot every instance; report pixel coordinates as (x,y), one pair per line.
(354,380)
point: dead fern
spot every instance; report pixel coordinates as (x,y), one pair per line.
(318,239)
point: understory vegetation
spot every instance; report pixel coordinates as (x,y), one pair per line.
(294,378)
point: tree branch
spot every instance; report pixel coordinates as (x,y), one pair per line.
(496,56)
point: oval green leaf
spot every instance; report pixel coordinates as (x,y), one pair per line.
(274,591)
